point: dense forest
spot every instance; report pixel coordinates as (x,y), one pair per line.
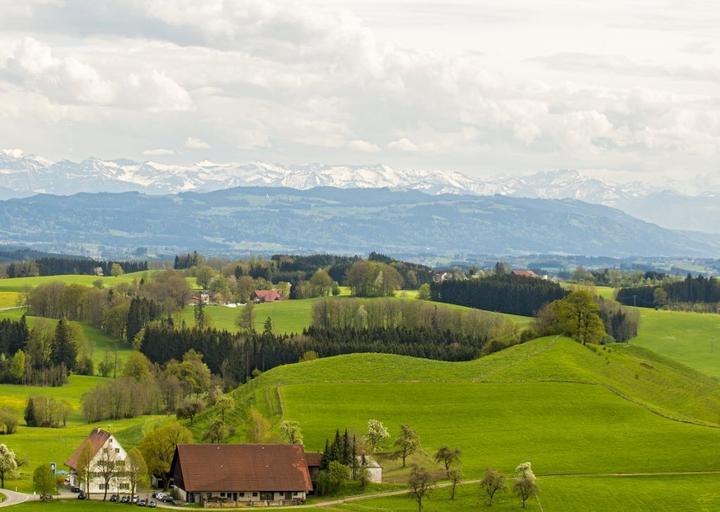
(691,290)
(506,293)
(55,266)
(339,327)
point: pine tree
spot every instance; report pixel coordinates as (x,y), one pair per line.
(63,350)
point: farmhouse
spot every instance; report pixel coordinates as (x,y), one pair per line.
(241,474)
(99,450)
(524,273)
(267,295)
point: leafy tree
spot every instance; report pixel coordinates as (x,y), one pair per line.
(407,443)
(106,467)
(137,366)
(258,427)
(580,319)
(246,319)
(660,298)
(216,432)
(525,485)
(420,484)
(84,467)
(116,270)
(448,457)
(493,482)
(136,470)
(373,279)
(44,481)
(8,463)
(424,292)
(189,408)
(158,448)
(224,404)
(377,434)
(331,479)
(291,433)
(455,475)
(8,421)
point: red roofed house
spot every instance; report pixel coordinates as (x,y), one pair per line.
(524,273)
(104,450)
(241,474)
(267,295)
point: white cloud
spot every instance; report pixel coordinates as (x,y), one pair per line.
(363,146)
(195,143)
(483,89)
(403,144)
(158,152)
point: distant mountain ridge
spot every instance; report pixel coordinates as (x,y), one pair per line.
(266,220)
(22,175)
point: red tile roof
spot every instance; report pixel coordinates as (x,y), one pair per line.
(241,467)
(313,459)
(268,295)
(96,440)
(524,273)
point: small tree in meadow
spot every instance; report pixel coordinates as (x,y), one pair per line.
(44,481)
(420,483)
(492,483)
(407,443)
(291,433)
(525,485)
(448,457)
(377,434)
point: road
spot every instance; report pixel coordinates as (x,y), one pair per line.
(14,498)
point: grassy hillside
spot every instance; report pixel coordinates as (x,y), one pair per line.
(20,284)
(691,338)
(567,409)
(290,316)
(39,445)
(100,342)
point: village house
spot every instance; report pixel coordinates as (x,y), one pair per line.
(242,474)
(102,449)
(267,295)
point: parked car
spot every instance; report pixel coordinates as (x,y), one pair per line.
(159,495)
(168,499)
(125,499)
(81,495)
(114,497)
(75,489)
(135,499)
(152,504)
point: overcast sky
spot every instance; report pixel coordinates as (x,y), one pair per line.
(483,87)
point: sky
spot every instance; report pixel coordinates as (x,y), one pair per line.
(623,87)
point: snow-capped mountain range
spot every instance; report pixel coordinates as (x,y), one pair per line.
(23,175)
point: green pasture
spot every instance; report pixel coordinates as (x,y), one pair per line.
(690,338)
(100,342)
(289,316)
(21,284)
(564,407)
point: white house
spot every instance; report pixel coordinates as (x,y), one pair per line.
(374,469)
(104,450)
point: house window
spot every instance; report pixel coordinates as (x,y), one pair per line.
(117,450)
(124,486)
(101,487)
(254,495)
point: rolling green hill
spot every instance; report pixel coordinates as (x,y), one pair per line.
(690,338)
(292,316)
(564,407)
(20,284)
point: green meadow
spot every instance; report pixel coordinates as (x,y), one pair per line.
(40,445)
(292,316)
(21,284)
(564,407)
(690,338)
